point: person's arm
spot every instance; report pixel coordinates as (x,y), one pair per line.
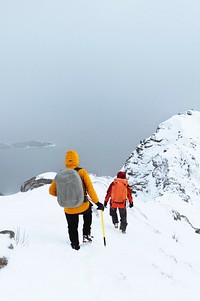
(52,189)
(88,185)
(108,193)
(129,196)
(90,189)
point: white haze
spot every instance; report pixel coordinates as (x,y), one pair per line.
(96,76)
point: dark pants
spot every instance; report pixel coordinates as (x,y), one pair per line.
(123,217)
(73,220)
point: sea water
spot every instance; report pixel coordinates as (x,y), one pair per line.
(19,165)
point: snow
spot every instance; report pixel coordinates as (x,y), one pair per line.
(157,259)
(169,159)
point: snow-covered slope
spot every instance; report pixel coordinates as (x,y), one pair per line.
(158,258)
(169,160)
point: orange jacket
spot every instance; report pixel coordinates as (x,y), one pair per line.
(108,195)
(72,161)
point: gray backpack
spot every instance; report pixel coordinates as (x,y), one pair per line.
(69,186)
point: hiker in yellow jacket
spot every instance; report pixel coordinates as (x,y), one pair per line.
(72,214)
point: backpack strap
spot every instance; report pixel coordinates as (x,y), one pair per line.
(84,186)
(78,168)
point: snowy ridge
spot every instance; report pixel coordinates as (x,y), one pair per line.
(158,254)
(157,259)
(169,160)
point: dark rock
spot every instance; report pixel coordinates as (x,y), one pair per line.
(10,232)
(34,183)
(11,247)
(3,262)
(176,215)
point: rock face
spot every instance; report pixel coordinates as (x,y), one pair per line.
(33,183)
(169,160)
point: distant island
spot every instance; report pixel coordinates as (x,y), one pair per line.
(27,144)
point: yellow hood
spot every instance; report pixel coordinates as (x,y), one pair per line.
(72,159)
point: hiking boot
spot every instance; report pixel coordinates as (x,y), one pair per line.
(75,247)
(116,225)
(87,238)
(123,231)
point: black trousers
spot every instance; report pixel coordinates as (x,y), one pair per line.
(73,221)
(123,217)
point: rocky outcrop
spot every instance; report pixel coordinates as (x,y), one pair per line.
(34,183)
(168,161)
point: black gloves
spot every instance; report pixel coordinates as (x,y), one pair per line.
(100,206)
(105,204)
(130,205)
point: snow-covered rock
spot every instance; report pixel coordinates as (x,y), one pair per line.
(38,181)
(169,160)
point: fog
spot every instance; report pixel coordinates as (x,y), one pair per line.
(96,76)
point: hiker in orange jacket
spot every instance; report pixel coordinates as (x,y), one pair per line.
(72,214)
(118,194)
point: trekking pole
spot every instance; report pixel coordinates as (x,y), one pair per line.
(103,228)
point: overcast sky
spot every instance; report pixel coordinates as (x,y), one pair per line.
(96,76)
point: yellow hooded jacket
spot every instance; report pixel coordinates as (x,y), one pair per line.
(72,161)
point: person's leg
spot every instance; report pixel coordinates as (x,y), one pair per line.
(72,220)
(113,214)
(87,222)
(123,219)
